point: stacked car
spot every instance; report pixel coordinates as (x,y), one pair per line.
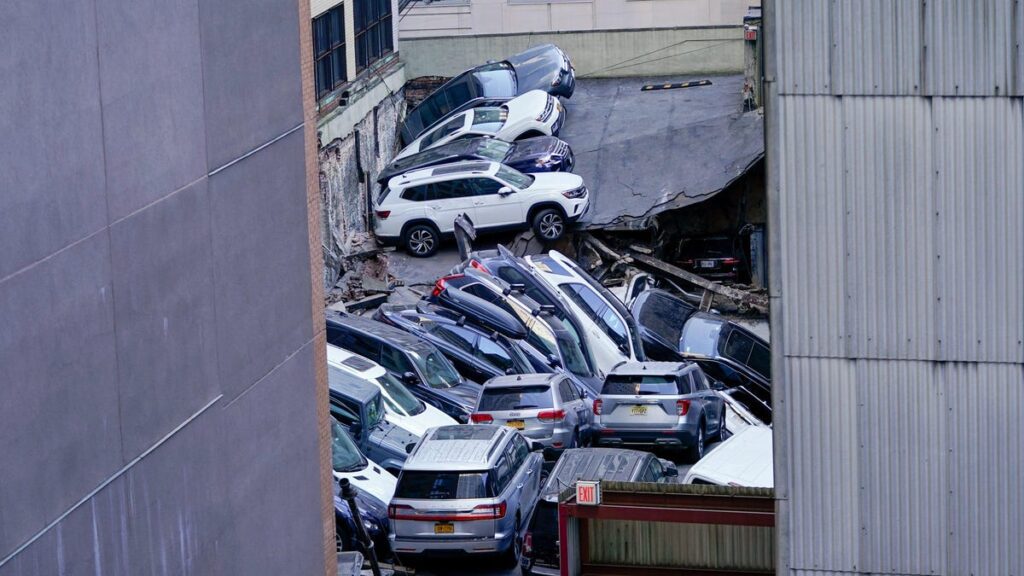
(484,146)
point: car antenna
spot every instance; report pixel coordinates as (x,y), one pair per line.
(461,321)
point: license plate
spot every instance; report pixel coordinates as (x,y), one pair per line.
(440,528)
(639,410)
(707,263)
(517,424)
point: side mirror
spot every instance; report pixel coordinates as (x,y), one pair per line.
(554,361)
(409,447)
(504,191)
(410,378)
(584,393)
(717,385)
(670,469)
(510,371)
(535,446)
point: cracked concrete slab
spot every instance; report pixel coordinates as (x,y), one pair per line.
(642,153)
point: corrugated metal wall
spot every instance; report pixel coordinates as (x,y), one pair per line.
(693,546)
(896,183)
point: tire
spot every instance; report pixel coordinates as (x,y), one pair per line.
(422,240)
(515,551)
(696,452)
(722,430)
(575,438)
(549,224)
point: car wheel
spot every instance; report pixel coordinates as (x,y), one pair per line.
(422,240)
(515,551)
(549,224)
(722,430)
(696,452)
(575,438)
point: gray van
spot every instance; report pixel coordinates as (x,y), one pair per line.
(659,404)
(466,490)
(547,408)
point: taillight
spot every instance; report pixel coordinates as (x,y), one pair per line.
(487,511)
(383,214)
(479,266)
(393,510)
(550,415)
(442,283)
(682,406)
(481,418)
(528,543)
(597,407)
(731,261)
(687,262)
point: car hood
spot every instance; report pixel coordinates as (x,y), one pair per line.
(393,439)
(526,107)
(418,424)
(554,181)
(373,480)
(465,394)
(370,507)
(537,67)
(536,148)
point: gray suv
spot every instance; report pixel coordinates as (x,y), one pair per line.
(547,408)
(659,404)
(465,490)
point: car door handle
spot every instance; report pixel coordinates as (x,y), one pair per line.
(529,471)
(478,203)
(434,207)
(519,486)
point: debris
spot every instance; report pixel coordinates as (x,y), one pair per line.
(641,249)
(758,302)
(367,303)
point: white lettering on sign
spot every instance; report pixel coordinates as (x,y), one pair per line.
(588,493)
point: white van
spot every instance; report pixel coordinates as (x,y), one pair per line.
(743,460)
(401,408)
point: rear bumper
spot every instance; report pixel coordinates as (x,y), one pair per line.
(448,548)
(682,437)
(389,240)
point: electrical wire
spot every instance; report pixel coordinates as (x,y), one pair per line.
(630,62)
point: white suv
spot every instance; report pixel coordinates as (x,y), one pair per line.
(419,207)
(535,113)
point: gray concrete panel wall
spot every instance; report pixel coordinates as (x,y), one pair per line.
(598,54)
(157,366)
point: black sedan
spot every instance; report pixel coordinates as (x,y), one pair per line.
(539,154)
(543,67)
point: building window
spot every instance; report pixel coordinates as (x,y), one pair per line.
(329,50)
(373,31)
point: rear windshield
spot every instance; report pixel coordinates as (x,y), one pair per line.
(443,485)
(525,398)
(641,385)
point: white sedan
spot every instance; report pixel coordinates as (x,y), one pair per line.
(535,113)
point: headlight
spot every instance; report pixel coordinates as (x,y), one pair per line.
(580,192)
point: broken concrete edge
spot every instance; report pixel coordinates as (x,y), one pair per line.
(757,302)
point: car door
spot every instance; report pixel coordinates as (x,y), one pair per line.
(494,209)
(571,402)
(529,466)
(713,403)
(446,200)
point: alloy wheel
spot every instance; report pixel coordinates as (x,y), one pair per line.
(421,241)
(551,226)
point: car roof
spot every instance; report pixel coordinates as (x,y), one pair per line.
(353,363)
(593,464)
(458,447)
(350,385)
(517,380)
(744,459)
(644,368)
(380,331)
(430,173)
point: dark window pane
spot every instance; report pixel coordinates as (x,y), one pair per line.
(524,398)
(738,346)
(338,59)
(324,81)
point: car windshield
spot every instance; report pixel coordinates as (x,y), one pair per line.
(493,149)
(522,398)
(700,336)
(345,455)
(494,80)
(515,177)
(444,130)
(561,346)
(397,397)
(437,370)
(640,385)
(417,485)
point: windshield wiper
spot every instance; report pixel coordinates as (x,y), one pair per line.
(352,468)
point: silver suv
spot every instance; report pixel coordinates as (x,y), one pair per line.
(465,490)
(546,408)
(659,404)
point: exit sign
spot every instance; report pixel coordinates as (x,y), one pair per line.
(588,493)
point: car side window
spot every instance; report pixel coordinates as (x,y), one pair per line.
(353,342)
(458,337)
(738,346)
(761,360)
(565,390)
(443,131)
(685,384)
(450,190)
(502,474)
(344,412)
(598,311)
(522,451)
(700,383)
(415,193)
(394,360)
(458,93)
(485,186)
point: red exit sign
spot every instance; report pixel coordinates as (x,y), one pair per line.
(588,493)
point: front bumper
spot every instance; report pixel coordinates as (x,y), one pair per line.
(583,213)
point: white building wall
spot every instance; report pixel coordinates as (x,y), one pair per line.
(897,246)
(472,17)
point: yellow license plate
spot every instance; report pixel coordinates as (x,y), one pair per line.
(440,528)
(517,424)
(639,410)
